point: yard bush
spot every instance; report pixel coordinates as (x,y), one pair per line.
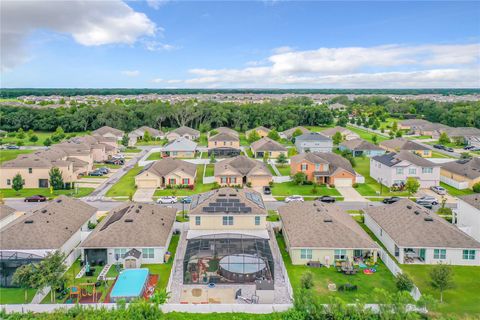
(403,282)
(307,280)
(476,187)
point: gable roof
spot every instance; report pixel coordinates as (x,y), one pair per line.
(267,144)
(224,136)
(336,106)
(315,224)
(141,131)
(133,225)
(412,225)
(289,132)
(228,200)
(413,122)
(402,144)
(334,160)
(312,136)
(472,199)
(181,144)
(330,132)
(165,166)
(256,129)
(360,144)
(5,211)
(226,130)
(47,227)
(391,159)
(462,132)
(241,165)
(469,168)
(106,129)
(186,130)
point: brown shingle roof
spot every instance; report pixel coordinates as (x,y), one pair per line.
(360,144)
(315,224)
(267,144)
(334,160)
(186,130)
(469,168)
(472,199)
(241,165)
(133,225)
(289,133)
(226,130)
(5,211)
(224,136)
(331,131)
(106,129)
(165,166)
(402,144)
(48,227)
(411,225)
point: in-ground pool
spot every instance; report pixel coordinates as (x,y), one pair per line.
(130,284)
(242,267)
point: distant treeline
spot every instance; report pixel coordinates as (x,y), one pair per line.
(67,92)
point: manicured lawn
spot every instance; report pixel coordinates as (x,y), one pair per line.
(107,165)
(151,143)
(317,128)
(15,295)
(155,156)
(42,136)
(436,154)
(132,150)
(459,302)
(163,270)
(199,187)
(94,177)
(366,135)
(243,140)
(284,169)
(10,193)
(273,216)
(249,152)
(383,279)
(456,192)
(6,155)
(203,140)
(210,169)
(126,185)
(271,169)
(290,188)
(292,152)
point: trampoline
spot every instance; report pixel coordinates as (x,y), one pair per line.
(242,267)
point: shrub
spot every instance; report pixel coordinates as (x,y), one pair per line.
(249,184)
(33,138)
(403,282)
(307,280)
(476,187)
(20,143)
(355,185)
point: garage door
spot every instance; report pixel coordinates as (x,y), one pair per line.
(343,182)
(146,183)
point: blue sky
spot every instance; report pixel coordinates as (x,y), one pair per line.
(159,44)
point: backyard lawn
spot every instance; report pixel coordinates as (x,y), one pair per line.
(210,170)
(249,152)
(42,136)
(126,185)
(6,155)
(107,165)
(290,188)
(273,216)
(15,295)
(382,279)
(270,167)
(132,150)
(456,192)
(284,169)
(155,156)
(367,135)
(10,193)
(460,302)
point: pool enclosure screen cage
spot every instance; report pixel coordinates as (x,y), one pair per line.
(227,258)
(10,261)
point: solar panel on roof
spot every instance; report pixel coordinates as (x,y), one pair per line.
(233,200)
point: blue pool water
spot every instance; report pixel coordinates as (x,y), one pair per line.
(130,284)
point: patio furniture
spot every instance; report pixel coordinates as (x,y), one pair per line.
(348,287)
(314,264)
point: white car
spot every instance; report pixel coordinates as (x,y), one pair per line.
(428,199)
(168,199)
(439,190)
(294,199)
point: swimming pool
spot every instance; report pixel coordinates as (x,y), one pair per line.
(130,284)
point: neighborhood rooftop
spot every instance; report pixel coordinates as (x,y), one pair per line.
(360,144)
(334,160)
(267,144)
(5,211)
(241,165)
(391,159)
(169,165)
(469,168)
(472,199)
(402,144)
(312,136)
(224,136)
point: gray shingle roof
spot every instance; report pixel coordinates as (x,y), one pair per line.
(472,199)
(186,130)
(360,144)
(267,144)
(224,136)
(392,158)
(241,165)
(334,160)
(165,166)
(226,130)
(5,211)
(312,136)
(402,144)
(181,144)
(469,168)
(318,225)
(411,225)
(289,133)
(106,129)
(330,132)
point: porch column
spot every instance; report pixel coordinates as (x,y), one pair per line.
(375,255)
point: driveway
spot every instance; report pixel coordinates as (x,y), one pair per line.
(265,197)
(351,195)
(428,192)
(144,195)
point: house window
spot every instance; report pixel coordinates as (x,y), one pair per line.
(172,181)
(257,220)
(468,254)
(427,170)
(9,182)
(148,253)
(120,253)
(228,220)
(174,153)
(233,180)
(304,167)
(439,253)
(198,220)
(29,170)
(317,167)
(412,171)
(340,254)
(223,179)
(399,170)
(306,254)
(186,181)
(426,152)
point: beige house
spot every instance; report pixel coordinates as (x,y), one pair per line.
(183,132)
(165,172)
(346,133)
(180,148)
(401,144)
(318,232)
(262,131)
(268,146)
(109,132)
(288,134)
(224,140)
(242,170)
(463,170)
(137,134)
(225,130)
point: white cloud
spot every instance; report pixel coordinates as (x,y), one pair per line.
(360,67)
(156,4)
(131,73)
(154,45)
(90,23)
(283,49)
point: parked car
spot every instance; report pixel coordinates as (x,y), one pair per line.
(118,156)
(36,198)
(294,199)
(12,147)
(104,170)
(267,190)
(115,161)
(468,147)
(96,173)
(390,200)
(186,200)
(448,149)
(427,201)
(426,204)
(326,199)
(439,146)
(439,190)
(167,199)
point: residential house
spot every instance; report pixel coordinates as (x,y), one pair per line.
(337,106)
(468,135)
(360,147)
(346,133)
(467,215)
(132,234)
(268,146)
(7,215)
(401,144)
(322,167)
(225,130)
(183,132)
(288,134)
(167,172)
(224,144)
(109,132)
(261,131)
(395,168)
(412,124)
(242,170)
(137,134)
(55,226)
(180,148)
(462,173)
(415,234)
(318,232)
(313,142)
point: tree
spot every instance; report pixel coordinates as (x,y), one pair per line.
(337,138)
(47,142)
(441,278)
(403,282)
(147,137)
(412,185)
(399,134)
(282,159)
(273,134)
(24,277)
(299,178)
(21,134)
(374,139)
(266,156)
(465,155)
(125,141)
(307,280)
(342,121)
(394,126)
(17,182)
(56,179)
(443,139)
(253,136)
(51,270)
(33,138)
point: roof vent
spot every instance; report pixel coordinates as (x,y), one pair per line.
(327,220)
(409,207)
(428,218)
(137,211)
(232,195)
(140,207)
(128,220)
(221,194)
(44,210)
(416,212)
(28,221)
(59,200)
(314,204)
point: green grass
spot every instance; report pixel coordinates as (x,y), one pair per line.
(203,140)
(199,187)
(436,154)
(290,188)
(273,216)
(6,155)
(42,136)
(210,170)
(126,185)
(151,143)
(155,156)
(271,169)
(249,152)
(243,140)
(15,295)
(383,278)
(107,165)
(10,193)
(459,302)
(365,135)
(204,155)
(292,152)
(456,192)
(94,177)
(163,270)
(318,129)
(132,150)
(284,169)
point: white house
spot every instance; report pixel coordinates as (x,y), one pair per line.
(416,235)
(132,234)
(467,215)
(313,142)
(395,168)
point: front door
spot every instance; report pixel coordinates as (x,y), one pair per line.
(421,254)
(130,263)
(43,183)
